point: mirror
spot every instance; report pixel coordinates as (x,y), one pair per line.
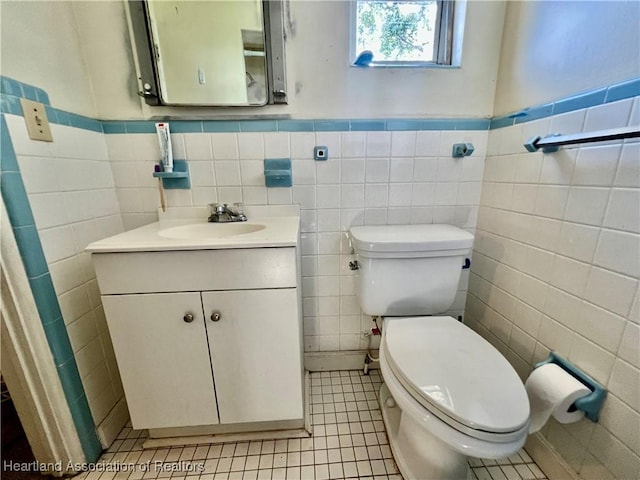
(215,53)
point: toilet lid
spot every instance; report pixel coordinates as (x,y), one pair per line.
(446,365)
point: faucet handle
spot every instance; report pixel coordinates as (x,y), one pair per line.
(218,208)
(237,208)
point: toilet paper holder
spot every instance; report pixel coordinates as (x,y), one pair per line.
(590,404)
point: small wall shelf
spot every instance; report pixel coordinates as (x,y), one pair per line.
(277,172)
(178,179)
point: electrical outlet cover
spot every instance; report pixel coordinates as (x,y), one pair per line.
(35,116)
(320,153)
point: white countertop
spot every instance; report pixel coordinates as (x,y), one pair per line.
(281,229)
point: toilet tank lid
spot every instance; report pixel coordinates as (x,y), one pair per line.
(409,238)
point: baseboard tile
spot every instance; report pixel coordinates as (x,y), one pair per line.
(113,423)
(347,360)
(549,461)
(224,438)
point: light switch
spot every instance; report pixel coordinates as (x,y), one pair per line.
(35,116)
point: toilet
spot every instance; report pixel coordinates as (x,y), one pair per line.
(447,394)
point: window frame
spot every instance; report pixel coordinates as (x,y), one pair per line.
(444,36)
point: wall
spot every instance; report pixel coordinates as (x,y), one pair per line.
(41,46)
(371,177)
(555,263)
(321,82)
(70,190)
(552,49)
(69,183)
(555,267)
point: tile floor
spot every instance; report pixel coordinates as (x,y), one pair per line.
(349,442)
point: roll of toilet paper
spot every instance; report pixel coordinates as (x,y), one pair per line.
(552,391)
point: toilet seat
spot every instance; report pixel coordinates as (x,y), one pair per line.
(445,366)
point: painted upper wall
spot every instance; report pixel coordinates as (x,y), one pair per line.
(41,46)
(552,49)
(321,82)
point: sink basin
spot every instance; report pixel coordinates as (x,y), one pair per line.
(209,230)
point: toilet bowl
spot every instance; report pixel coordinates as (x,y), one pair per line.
(448,394)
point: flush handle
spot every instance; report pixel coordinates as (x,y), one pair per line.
(354,265)
(216,316)
(188,318)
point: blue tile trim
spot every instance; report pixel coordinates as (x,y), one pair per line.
(10,104)
(295,125)
(15,198)
(220,126)
(401,124)
(473,124)
(15,88)
(59,343)
(14,194)
(114,127)
(46,299)
(29,92)
(64,118)
(52,114)
(84,425)
(8,160)
(592,98)
(85,123)
(438,124)
(10,86)
(145,127)
(368,125)
(502,121)
(534,113)
(178,127)
(577,102)
(623,90)
(42,96)
(31,252)
(70,378)
(259,126)
(331,125)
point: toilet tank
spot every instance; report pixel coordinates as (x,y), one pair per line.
(406,270)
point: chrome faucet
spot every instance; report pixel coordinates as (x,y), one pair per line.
(222,213)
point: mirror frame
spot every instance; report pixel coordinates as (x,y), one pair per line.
(273,14)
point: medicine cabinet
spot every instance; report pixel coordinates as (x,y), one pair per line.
(212,53)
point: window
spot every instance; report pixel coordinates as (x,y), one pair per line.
(402,32)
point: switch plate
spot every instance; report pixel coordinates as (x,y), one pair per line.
(35,116)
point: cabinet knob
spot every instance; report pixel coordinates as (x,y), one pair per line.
(188,318)
(216,316)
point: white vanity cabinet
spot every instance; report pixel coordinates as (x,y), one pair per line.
(206,337)
(255,354)
(163,360)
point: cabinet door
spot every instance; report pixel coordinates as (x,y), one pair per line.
(163,358)
(256,354)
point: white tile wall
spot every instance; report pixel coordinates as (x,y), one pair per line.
(556,268)
(71,191)
(370,178)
